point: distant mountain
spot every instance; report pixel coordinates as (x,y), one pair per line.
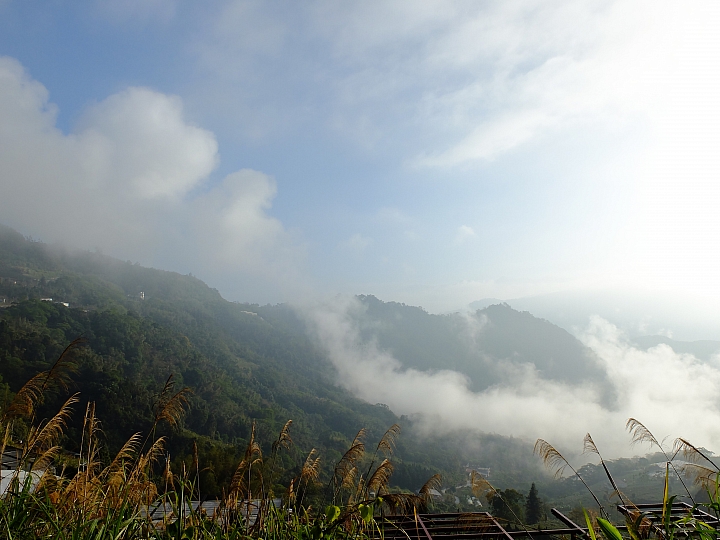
(636,312)
(483,303)
(482,345)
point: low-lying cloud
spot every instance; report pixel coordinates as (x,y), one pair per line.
(134,178)
(663,389)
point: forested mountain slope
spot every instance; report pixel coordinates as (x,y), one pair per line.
(481,345)
(249,363)
(245,363)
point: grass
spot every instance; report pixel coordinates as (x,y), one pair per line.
(639,523)
(137,495)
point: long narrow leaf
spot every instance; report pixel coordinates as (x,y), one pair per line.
(609,530)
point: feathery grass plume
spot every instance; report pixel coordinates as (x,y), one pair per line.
(237,483)
(386,446)
(479,484)
(252,450)
(345,470)
(32,393)
(589,446)
(702,476)
(80,495)
(348,480)
(253,456)
(360,492)
(116,476)
(402,503)
(309,475)
(240,484)
(171,408)
(551,458)
(91,430)
(143,489)
(64,366)
(359,436)
(556,462)
(641,434)
(168,406)
(290,493)
(284,439)
(125,455)
(148,458)
(42,439)
(311,468)
(168,476)
(82,433)
(381,476)
(388,441)
(692,453)
(433,483)
(24,403)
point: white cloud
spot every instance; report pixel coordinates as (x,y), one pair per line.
(133,179)
(658,387)
(146,142)
(466,81)
(232,229)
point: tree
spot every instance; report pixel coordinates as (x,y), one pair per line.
(533,507)
(506,505)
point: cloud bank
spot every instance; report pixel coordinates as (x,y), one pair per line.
(134,178)
(659,387)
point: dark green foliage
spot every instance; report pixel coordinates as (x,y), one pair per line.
(507,505)
(243,362)
(533,507)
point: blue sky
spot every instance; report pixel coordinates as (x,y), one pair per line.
(433,153)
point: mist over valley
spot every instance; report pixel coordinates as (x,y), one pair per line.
(356,260)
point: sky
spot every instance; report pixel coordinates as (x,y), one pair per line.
(433,153)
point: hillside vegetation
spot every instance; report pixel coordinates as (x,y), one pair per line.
(244,363)
(256,365)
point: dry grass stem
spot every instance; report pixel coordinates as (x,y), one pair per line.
(692,453)
(381,476)
(433,483)
(388,440)
(551,458)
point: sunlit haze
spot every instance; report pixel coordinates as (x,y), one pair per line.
(562,157)
(429,152)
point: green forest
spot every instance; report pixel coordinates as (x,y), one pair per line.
(244,363)
(249,369)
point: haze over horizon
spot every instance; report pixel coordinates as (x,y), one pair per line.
(430,153)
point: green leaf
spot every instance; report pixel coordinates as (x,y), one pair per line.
(332,513)
(591,529)
(366,512)
(633,526)
(609,530)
